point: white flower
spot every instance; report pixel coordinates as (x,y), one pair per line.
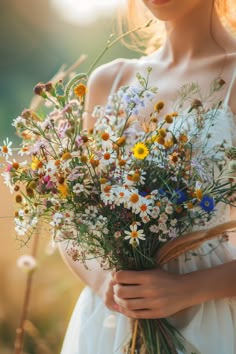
(19,122)
(163,227)
(27,263)
(79,188)
(162,238)
(109,138)
(117,234)
(134,235)
(57,219)
(51,168)
(21,227)
(144,209)
(34,221)
(91,211)
(172,232)
(169,209)
(173,222)
(154,229)
(107,198)
(7,181)
(108,157)
(134,201)
(5,149)
(145,219)
(121,195)
(155,212)
(163,218)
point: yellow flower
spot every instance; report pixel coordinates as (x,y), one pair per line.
(169,143)
(121,141)
(162,132)
(169,119)
(36,163)
(160,140)
(183,138)
(159,106)
(63,189)
(80,90)
(198,193)
(140,151)
(66,156)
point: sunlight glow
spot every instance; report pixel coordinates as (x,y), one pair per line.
(83,12)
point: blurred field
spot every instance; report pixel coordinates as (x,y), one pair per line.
(55,291)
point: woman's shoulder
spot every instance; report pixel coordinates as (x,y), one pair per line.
(102,79)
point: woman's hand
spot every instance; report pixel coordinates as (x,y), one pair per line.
(106,292)
(150,294)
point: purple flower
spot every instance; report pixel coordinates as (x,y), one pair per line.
(207,203)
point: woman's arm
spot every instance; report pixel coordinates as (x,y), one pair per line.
(157,293)
(99,87)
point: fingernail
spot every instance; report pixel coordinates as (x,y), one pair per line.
(116,307)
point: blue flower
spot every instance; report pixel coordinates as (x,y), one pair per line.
(180,196)
(207,203)
(162,192)
(143,194)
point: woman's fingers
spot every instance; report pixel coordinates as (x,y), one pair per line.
(132,291)
(132,277)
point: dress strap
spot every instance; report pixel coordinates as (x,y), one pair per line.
(116,82)
(228,95)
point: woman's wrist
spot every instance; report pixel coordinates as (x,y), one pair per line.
(211,283)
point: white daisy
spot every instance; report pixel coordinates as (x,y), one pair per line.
(145,208)
(134,201)
(5,149)
(108,157)
(107,198)
(134,235)
(19,122)
(121,195)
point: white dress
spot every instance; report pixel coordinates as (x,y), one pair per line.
(209,328)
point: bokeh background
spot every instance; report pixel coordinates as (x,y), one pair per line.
(36,39)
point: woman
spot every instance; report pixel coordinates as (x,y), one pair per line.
(198,294)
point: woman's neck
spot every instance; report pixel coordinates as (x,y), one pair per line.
(197,35)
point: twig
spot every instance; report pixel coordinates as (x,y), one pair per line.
(20,331)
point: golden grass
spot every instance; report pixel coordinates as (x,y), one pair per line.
(55,291)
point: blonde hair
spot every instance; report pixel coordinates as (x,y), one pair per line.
(146,39)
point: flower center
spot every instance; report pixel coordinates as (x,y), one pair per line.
(134,234)
(107,156)
(134,198)
(143,207)
(140,150)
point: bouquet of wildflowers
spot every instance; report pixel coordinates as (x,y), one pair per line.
(123,191)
